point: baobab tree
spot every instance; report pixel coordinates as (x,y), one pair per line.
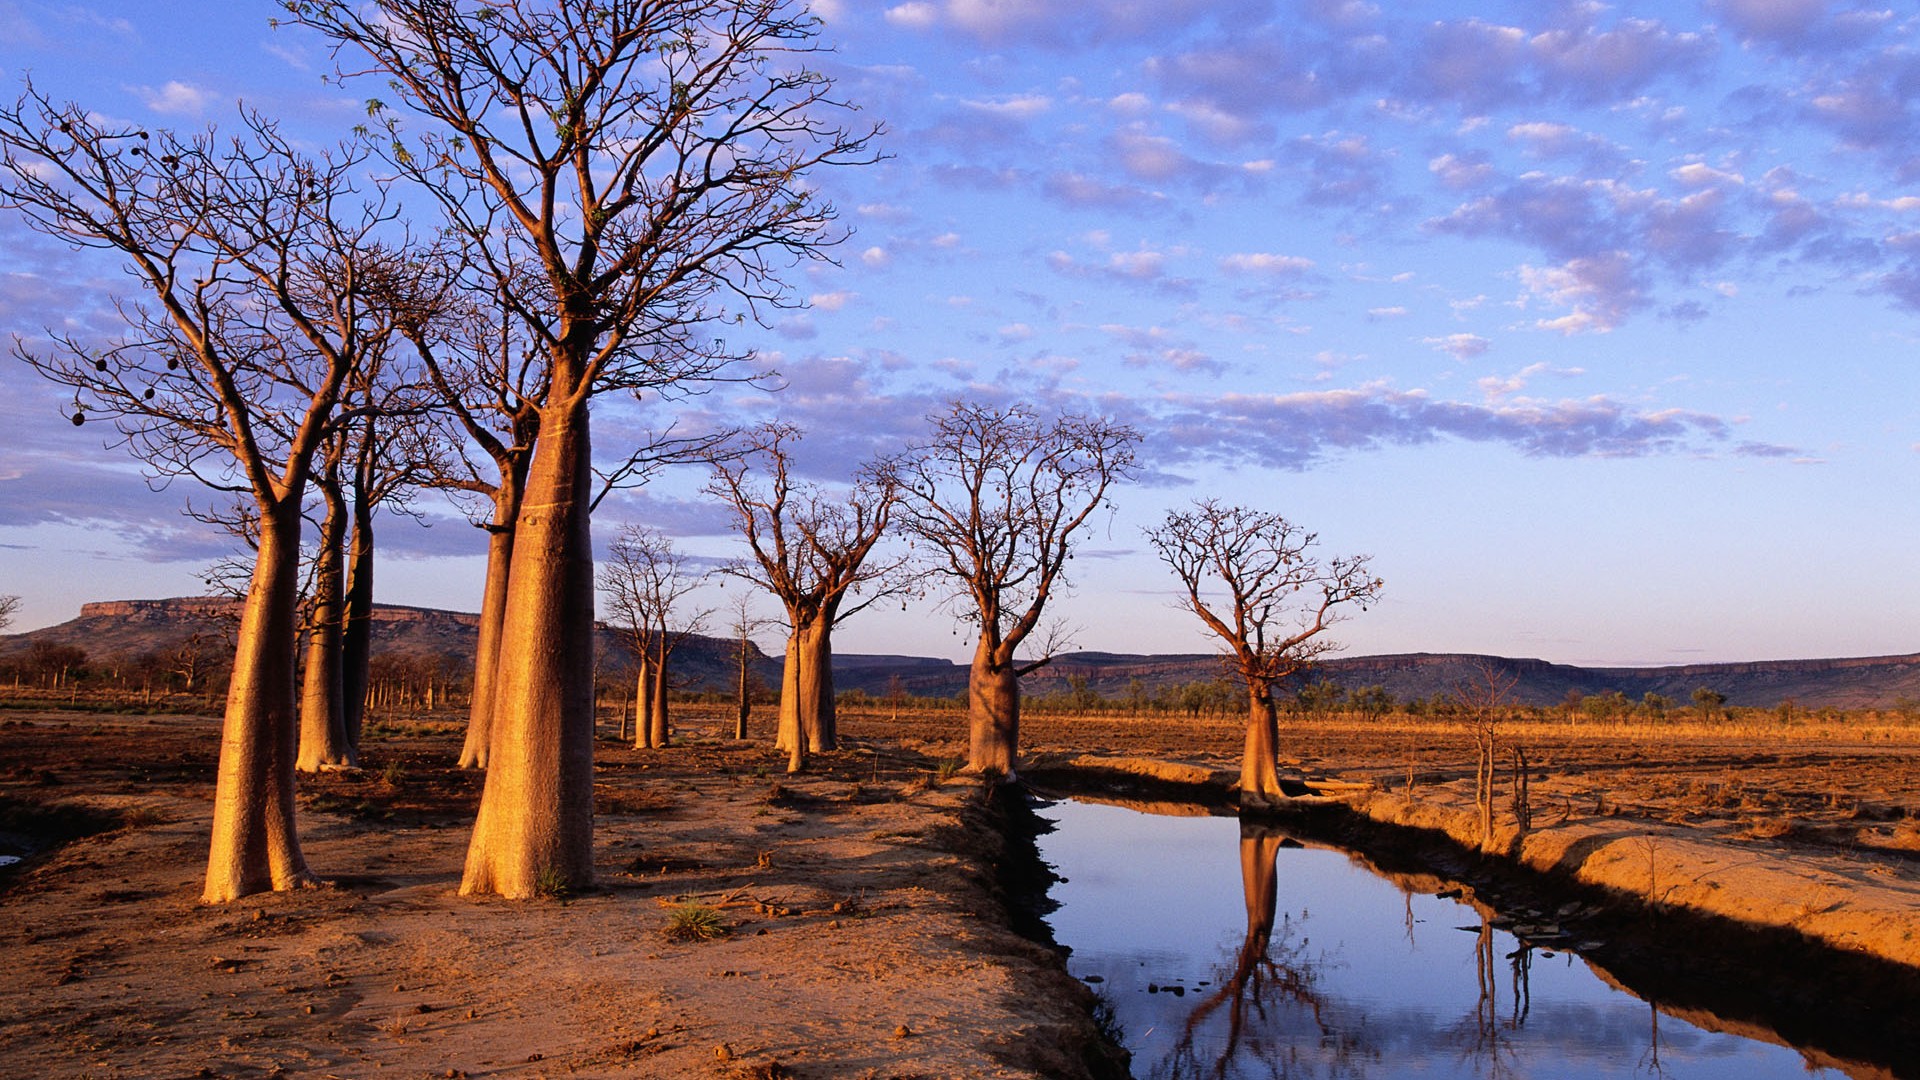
(323,717)
(648,161)
(376,461)
(268,283)
(997,496)
(647,583)
(811,550)
(1253,578)
(744,624)
(394,454)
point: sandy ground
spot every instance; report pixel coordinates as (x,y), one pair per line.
(864,932)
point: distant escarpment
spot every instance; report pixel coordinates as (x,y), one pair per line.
(128,629)
(131,628)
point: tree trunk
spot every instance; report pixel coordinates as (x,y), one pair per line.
(493,612)
(787,732)
(1260,761)
(534,831)
(643,703)
(254,844)
(323,718)
(815,673)
(660,731)
(743,702)
(357,641)
(993,712)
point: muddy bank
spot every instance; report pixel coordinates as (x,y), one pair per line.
(861,926)
(1733,940)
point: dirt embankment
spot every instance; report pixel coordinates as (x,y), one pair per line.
(860,927)
(1771,880)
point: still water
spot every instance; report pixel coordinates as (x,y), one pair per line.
(1225,952)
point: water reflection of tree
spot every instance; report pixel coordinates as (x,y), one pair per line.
(1273,975)
(1485,1040)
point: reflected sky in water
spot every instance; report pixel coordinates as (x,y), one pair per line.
(1351,977)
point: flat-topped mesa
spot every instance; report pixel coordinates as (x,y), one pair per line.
(173,607)
(217,606)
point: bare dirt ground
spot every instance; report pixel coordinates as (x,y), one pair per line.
(864,933)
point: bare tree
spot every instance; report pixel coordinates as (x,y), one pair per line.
(323,717)
(744,625)
(394,453)
(1252,577)
(647,583)
(269,285)
(490,383)
(811,550)
(997,496)
(620,169)
(1483,705)
(9,607)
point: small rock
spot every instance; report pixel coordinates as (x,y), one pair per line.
(902,1032)
(1153,988)
(723,1052)
(1093,978)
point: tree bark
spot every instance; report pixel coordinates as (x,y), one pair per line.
(486,657)
(323,718)
(993,712)
(357,640)
(1260,760)
(643,703)
(815,671)
(786,732)
(255,847)
(659,728)
(743,703)
(534,830)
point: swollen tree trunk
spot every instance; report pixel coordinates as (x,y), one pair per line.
(254,845)
(1260,760)
(486,657)
(357,641)
(534,830)
(823,727)
(643,703)
(787,732)
(659,729)
(323,720)
(993,711)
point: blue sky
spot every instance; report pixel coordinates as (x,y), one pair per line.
(1593,324)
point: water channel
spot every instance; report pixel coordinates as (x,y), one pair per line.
(1226,951)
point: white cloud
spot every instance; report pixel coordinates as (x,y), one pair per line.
(1460,346)
(916,15)
(175,98)
(876,257)
(1260,262)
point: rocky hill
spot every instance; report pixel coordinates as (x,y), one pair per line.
(133,628)
(130,628)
